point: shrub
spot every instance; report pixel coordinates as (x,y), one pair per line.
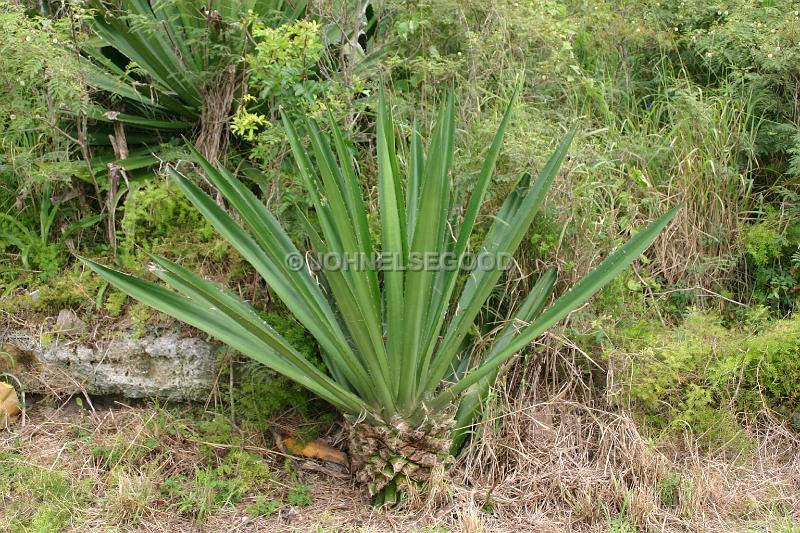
(772,367)
(702,375)
(401,364)
(772,248)
(41,86)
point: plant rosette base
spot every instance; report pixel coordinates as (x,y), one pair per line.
(389,458)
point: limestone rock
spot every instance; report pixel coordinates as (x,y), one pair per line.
(68,323)
(168,366)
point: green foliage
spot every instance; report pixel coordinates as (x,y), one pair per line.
(772,363)
(115,302)
(670,489)
(299,495)
(763,244)
(217,481)
(475,45)
(176,60)
(41,85)
(263,507)
(672,382)
(399,347)
(140,317)
(116,453)
(258,393)
(772,246)
(283,59)
(71,290)
(752,44)
(208,491)
(35,247)
(284,70)
(688,378)
(157,216)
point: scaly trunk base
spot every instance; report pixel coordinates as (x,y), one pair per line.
(393,456)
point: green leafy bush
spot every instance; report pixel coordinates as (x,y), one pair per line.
(41,86)
(285,70)
(282,70)
(40,82)
(700,375)
(774,257)
(176,65)
(753,45)
(772,367)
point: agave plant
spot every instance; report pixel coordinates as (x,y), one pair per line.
(173,67)
(394,340)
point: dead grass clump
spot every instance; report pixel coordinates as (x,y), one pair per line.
(567,458)
(212,139)
(577,462)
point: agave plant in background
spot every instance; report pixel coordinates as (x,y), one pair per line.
(173,67)
(392,339)
(163,70)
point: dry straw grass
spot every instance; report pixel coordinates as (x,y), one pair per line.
(558,459)
(551,457)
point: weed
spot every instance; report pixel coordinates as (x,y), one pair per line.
(129,495)
(207,492)
(115,302)
(263,507)
(299,495)
(686,378)
(670,489)
(156,216)
(258,393)
(772,247)
(215,487)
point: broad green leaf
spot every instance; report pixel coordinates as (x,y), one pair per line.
(219,325)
